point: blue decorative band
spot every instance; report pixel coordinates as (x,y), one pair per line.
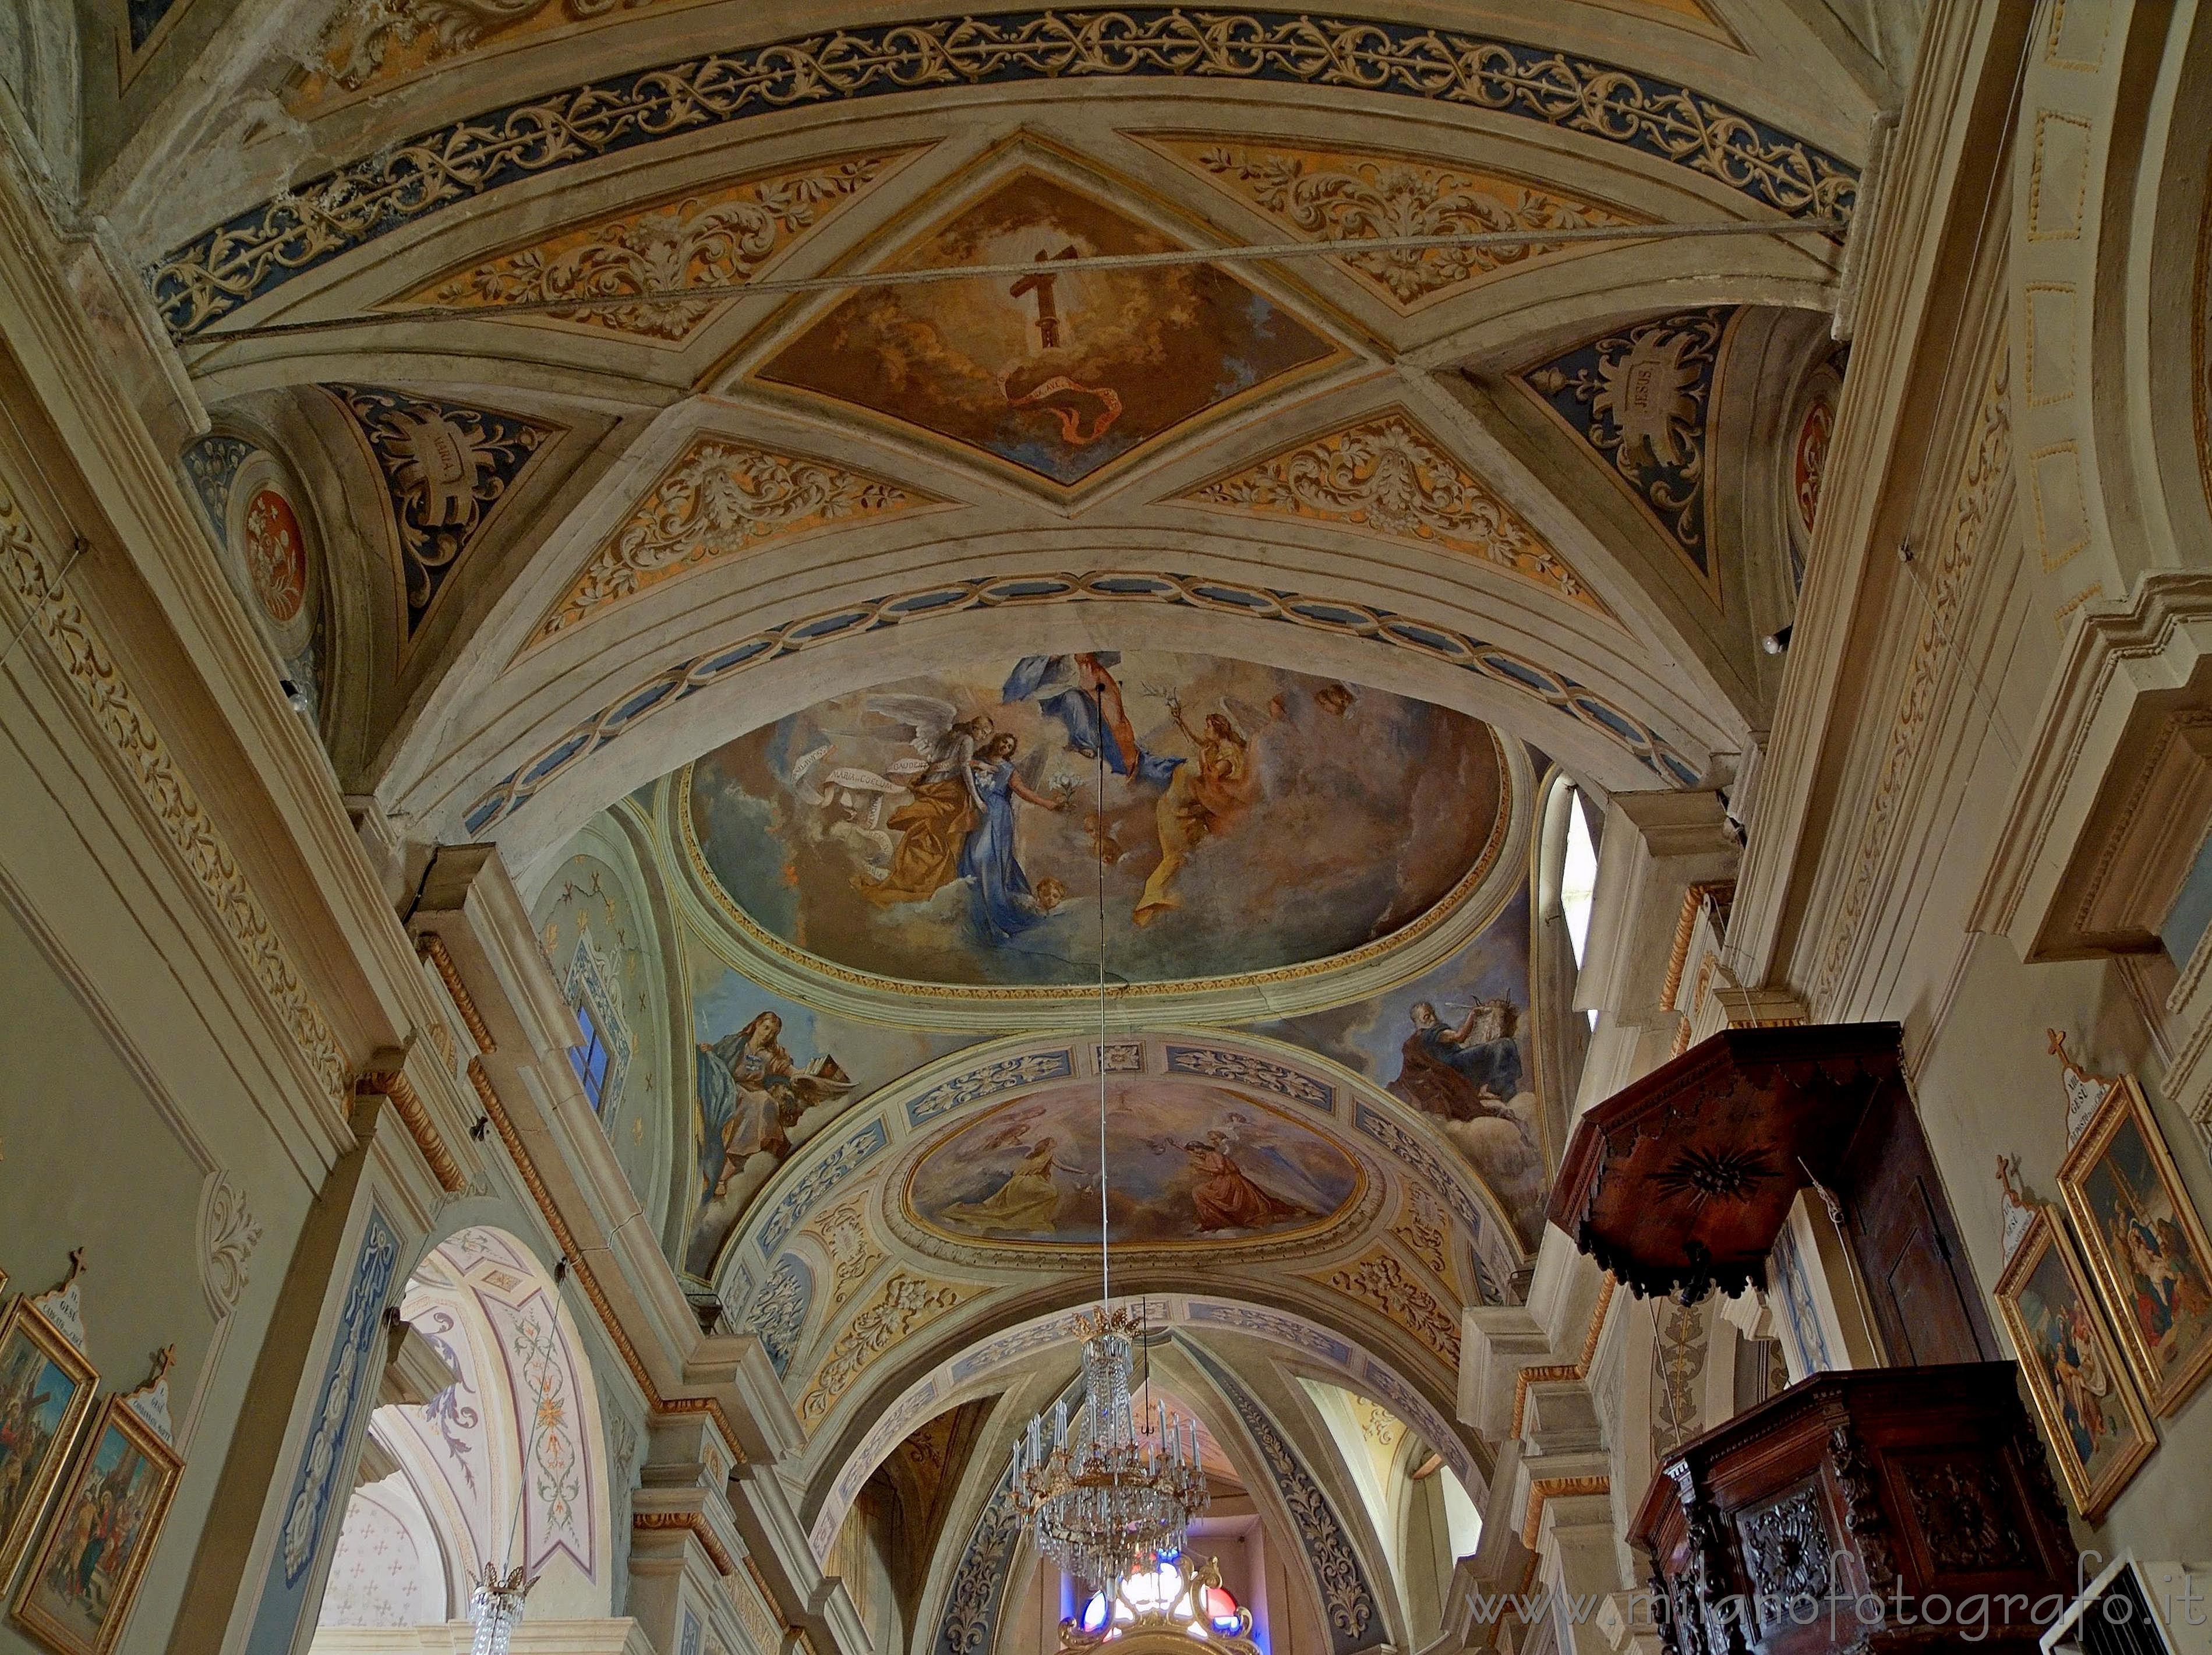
(297,231)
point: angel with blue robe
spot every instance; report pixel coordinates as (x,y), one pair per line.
(1082,693)
(1002,901)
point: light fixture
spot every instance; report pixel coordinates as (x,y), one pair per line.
(1120,1492)
(1102,1497)
(496,1606)
(1776,643)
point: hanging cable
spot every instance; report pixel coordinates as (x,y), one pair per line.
(1098,842)
(1351,247)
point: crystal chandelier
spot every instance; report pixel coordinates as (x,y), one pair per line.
(496,1606)
(1112,1496)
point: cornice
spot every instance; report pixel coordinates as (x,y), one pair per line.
(2152,641)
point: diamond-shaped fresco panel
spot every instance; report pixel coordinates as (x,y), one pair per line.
(1058,374)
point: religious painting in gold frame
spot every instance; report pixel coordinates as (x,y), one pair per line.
(2144,1243)
(2093,1421)
(77,1593)
(46,1389)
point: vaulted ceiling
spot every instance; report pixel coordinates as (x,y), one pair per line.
(651,592)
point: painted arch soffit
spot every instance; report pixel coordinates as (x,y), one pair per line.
(1312,1161)
(989,1365)
(529,785)
(256,252)
(364,54)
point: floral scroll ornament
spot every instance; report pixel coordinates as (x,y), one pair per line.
(718,237)
(259,249)
(1355,197)
(1393,477)
(1642,397)
(721,496)
(446,467)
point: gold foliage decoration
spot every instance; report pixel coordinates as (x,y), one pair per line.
(1387,474)
(722,495)
(1356,195)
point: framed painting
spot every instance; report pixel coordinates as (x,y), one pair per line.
(77,1592)
(47,1388)
(2095,1426)
(2144,1243)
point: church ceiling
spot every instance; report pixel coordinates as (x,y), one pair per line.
(607,475)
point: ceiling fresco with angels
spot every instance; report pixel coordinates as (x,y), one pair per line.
(959,828)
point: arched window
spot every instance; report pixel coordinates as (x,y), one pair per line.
(1578,874)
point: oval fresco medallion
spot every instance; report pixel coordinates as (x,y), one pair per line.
(1191,1165)
(948,830)
(276,555)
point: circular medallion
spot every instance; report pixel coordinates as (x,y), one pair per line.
(276,555)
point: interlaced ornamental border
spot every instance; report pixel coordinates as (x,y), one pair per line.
(666,688)
(296,231)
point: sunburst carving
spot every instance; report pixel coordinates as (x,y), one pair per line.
(721,496)
(1388,475)
(1358,194)
(712,237)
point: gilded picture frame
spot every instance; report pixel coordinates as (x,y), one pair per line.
(2095,1426)
(2144,1243)
(48,1387)
(76,1597)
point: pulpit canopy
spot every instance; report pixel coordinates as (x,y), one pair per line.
(1680,1182)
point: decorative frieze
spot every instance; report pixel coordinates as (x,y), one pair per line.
(1349,195)
(722,495)
(1386,474)
(718,236)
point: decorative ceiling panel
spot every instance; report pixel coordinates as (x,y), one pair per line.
(716,235)
(1387,474)
(944,834)
(446,468)
(1639,398)
(1059,374)
(1353,194)
(722,495)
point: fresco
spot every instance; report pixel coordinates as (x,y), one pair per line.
(768,1074)
(1059,373)
(949,830)
(1452,1045)
(1188,1162)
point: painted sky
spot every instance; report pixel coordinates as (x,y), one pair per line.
(1059,373)
(1284,818)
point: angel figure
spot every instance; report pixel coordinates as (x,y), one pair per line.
(933,824)
(1203,799)
(1003,903)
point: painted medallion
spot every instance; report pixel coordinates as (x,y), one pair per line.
(276,555)
(949,830)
